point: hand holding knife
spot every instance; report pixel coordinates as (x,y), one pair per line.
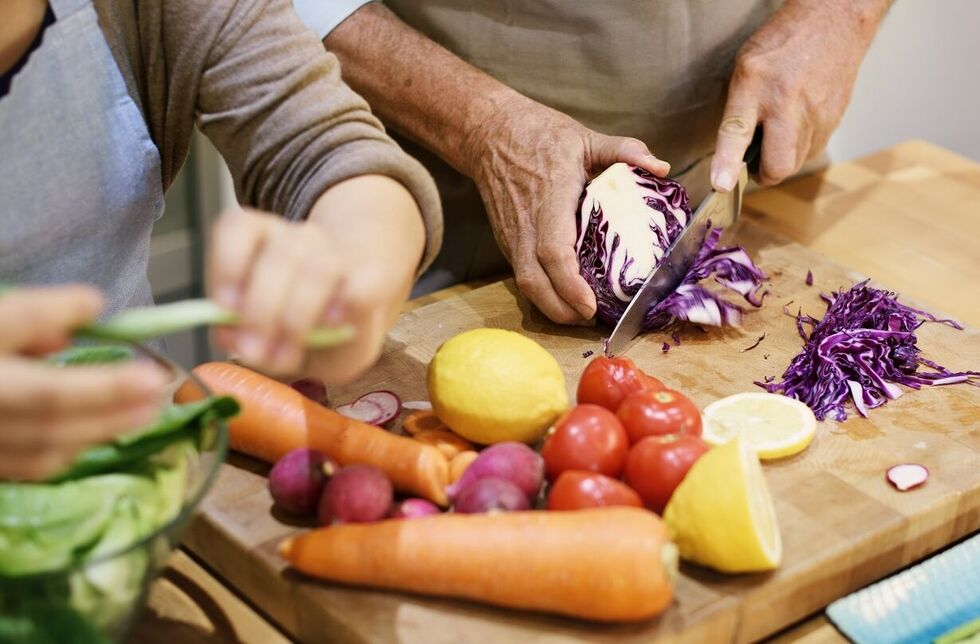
(717,210)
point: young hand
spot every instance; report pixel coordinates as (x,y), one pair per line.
(353,261)
(47,413)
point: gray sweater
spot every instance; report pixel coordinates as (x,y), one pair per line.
(260,86)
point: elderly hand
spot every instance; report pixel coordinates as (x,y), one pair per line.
(534,162)
(47,413)
(794,76)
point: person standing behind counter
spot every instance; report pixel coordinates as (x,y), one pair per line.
(98,101)
(512,104)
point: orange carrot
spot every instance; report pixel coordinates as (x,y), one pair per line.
(276,419)
(459,463)
(422,421)
(444,440)
(604,564)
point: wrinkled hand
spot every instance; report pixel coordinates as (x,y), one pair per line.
(794,76)
(352,262)
(533,165)
(48,414)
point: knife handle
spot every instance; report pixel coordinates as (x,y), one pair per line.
(753,153)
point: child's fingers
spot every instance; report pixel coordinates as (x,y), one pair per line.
(36,317)
(273,277)
(237,239)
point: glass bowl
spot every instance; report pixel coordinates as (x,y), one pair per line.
(98,599)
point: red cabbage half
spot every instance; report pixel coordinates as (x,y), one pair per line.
(864,347)
(626,219)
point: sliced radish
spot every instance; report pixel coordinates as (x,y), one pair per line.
(374,408)
(907,475)
(417,405)
(365,411)
(388,401)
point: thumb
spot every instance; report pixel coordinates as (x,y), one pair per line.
(607,150)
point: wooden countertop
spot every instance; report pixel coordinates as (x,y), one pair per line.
(919,239)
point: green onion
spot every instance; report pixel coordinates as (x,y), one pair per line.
(144,323)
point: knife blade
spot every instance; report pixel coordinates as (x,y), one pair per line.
(718,209)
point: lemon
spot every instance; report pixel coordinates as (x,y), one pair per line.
(721,515)
(491,386)
(775,426)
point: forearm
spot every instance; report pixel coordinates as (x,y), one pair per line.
(373,220)
(861,17)
(418,87)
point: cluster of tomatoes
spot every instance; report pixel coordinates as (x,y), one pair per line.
(628,441)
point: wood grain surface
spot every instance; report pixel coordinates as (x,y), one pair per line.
(843,526)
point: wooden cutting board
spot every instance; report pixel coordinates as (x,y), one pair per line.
(843,526)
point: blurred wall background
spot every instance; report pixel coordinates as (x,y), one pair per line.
(921,79)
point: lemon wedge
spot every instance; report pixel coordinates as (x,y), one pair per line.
(492,385)
(722,516)
(775,426)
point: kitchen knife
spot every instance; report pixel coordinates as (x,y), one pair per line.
(717,210)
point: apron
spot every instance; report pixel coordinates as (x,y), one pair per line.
(80,181)
(656,70)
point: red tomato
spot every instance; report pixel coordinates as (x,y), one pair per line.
(658,413)
(587,437)
(576,490)
(657,465)
(607,381)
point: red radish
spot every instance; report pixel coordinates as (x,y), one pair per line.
(907,476)
(356,494)
(413,509)
(417,405)
(297,480)
(511,461)
(491,495)
(374,408)
(312,388)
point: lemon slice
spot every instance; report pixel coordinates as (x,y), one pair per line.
(722,516)
(775,426)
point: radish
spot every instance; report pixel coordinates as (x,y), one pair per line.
(417,405)
(356,494)
(907,476)
(413,509)
(312,388)
(511,461)
(297,480)
(374,408)
(491,495)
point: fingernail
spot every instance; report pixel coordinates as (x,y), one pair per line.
(335,313)
(251,346)
(229,297)
(723,180)
(654,159)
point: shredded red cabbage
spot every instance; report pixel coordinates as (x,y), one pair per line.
(626,219)
(864,347)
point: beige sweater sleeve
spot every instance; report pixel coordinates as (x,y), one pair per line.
(261,87)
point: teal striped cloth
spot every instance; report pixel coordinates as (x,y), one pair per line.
(935,601)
